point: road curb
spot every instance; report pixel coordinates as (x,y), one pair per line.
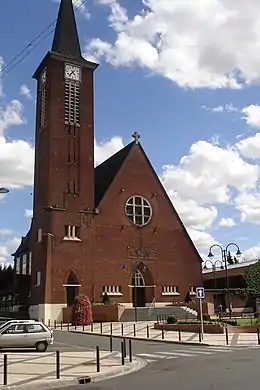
(139,338)
(136,365)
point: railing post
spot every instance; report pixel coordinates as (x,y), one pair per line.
(179,334)
(57,364)
(111,328)
(68,326)
(5,370)
(91,327)
(111,343)
(134,330)
(55,324)
(130,351)
(122,329)
(61,325)
(124,346)
(49,323)
(162,334)
(101,327)
(98,358)
(199,335)
(258,335)
(147,331)
(122,353)
(226,331)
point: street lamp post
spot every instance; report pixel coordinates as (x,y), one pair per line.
(224,260)
(213,266)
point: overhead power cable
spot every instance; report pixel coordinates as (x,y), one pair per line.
(32,45)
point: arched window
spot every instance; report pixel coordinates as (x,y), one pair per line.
(138,279)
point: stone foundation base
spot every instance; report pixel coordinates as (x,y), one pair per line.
(47,311)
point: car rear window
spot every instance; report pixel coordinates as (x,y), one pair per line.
(35,328)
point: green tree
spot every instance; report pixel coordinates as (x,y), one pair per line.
(229,259)
(236,261)
(252,279)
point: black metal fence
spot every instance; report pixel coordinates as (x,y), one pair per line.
(125,354)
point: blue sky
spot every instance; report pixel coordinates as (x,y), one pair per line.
(183,74)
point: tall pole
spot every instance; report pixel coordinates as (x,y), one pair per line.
(135,294)
(224,255)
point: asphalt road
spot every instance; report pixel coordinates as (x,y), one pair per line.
(232,369)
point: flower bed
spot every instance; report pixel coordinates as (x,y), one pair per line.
(191,328)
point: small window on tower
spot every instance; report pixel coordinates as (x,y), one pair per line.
(42,94)
(72,103)
(72,233)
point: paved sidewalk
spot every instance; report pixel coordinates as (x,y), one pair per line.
(139,331)
(38,371)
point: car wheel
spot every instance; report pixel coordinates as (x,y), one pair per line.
(41,346)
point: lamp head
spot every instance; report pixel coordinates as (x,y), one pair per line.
(238,254)
(210,254)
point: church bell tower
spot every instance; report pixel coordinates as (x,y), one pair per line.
(64,163)
(64,169)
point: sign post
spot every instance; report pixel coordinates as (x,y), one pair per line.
(200,294)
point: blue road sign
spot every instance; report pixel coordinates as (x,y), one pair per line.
(200,292)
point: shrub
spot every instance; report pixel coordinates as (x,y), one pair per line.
(206,317)
(230,322)
(171,320)
(82,311)
(256,314)
(105,299)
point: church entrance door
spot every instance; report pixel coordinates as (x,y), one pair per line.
(138,290)
(72,288)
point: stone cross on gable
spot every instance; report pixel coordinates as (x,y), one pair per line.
(136,137)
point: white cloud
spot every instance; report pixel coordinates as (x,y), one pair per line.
(5,232)
(208,171)
(25,91)
(226,108)
(28,213)
(227,222)
(202,240)
(250,147)
(200,43)
(251,253)
(7,248)
(252,115)
(11,115)
(248,203)
(105,149)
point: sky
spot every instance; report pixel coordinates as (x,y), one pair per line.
(183,73)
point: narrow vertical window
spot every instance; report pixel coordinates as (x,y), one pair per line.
(43,100)
(72,103)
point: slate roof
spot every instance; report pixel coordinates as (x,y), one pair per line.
(107,171)
(66,39)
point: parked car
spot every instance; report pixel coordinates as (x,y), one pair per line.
(26,335)
(5,324)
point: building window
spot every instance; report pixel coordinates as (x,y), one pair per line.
(24,264)
(138,210)
(38,278)
(170,290)
(30,264)
(192,290)
(139,279)
(39,235)
(43,99)
(17,265)
(112,290)
(72,233)
(72,103)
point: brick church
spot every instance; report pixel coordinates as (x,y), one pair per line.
(107,229)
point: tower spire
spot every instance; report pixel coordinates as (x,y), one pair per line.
(66,39)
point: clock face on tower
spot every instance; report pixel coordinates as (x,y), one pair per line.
(72,72)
